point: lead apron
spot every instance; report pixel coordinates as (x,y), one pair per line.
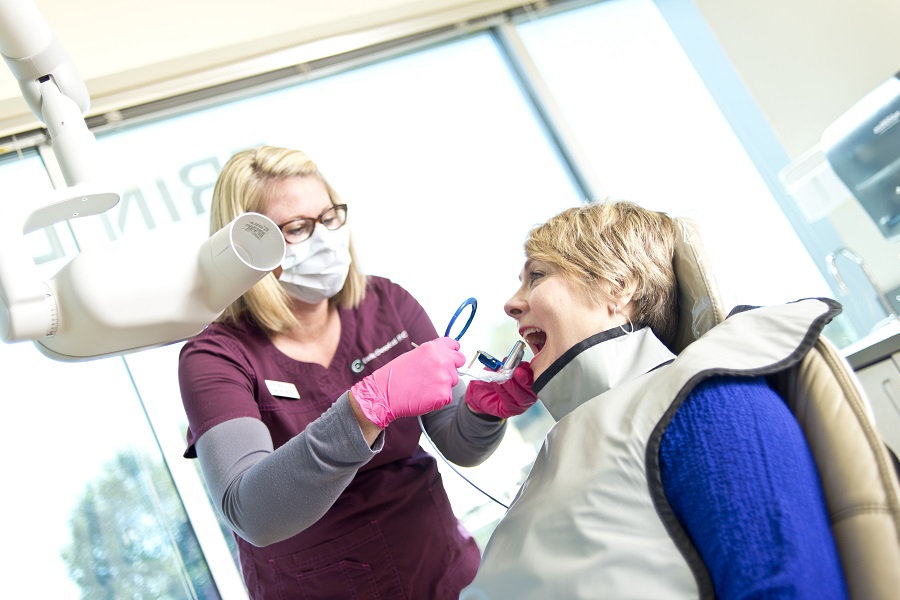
(584,524)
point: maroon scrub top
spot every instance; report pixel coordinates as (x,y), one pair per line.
(392,533)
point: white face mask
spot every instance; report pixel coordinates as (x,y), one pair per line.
(315,269)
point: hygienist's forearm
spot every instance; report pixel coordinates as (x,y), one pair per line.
(269,495)
(462,436)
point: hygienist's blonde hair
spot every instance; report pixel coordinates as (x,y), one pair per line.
(244,185)
(614,249)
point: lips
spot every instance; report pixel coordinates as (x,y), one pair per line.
(535,338)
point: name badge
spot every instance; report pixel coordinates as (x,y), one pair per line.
(283,389)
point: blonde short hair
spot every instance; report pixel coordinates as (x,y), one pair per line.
(244,185)
(614,249)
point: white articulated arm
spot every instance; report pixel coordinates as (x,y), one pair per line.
(50,84)
(125,296)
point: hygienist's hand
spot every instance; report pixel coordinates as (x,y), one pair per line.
(412,384)
(504,400)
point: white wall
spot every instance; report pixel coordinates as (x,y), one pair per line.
(807,61)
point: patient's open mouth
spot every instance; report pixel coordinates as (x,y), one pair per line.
(535,338)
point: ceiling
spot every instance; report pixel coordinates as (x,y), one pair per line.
(129,51)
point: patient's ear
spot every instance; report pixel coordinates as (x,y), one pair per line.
(620,301)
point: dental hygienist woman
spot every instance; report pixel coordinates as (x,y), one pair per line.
(301,402)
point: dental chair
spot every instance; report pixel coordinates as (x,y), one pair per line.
(858,473)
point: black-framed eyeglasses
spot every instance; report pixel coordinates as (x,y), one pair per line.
(300,230)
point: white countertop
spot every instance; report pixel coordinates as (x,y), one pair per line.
(875,347)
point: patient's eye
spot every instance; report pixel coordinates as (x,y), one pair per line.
(534,276)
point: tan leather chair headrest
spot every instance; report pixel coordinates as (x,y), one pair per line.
(700,306)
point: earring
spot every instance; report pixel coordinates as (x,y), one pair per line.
(630,324)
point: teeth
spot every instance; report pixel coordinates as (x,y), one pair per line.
(535,338)
(526,332)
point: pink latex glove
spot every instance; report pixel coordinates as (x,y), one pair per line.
(504,400)
(412,384)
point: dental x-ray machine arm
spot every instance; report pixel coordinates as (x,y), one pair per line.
(127,295)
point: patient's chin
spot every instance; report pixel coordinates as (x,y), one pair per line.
(537,365)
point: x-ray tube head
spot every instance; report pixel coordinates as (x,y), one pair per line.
(239,255)
(145,292)
(131,294)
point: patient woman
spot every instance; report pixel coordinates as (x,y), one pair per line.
(663,477)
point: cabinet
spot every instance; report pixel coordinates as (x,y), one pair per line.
(882,384)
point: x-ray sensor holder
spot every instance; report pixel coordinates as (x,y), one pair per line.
(501,369)
(509,363)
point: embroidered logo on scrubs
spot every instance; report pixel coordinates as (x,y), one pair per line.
(360,363)
(282,389)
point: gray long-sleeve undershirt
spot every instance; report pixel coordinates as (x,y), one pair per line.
(251,483)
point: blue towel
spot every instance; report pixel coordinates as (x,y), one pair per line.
(739,475)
